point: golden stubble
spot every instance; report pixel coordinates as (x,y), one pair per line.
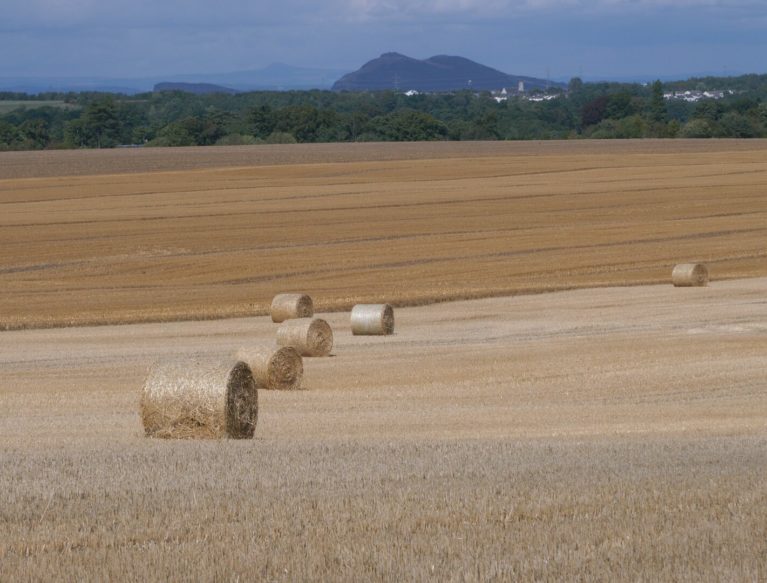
(600,434)
(350,225)
(597,434)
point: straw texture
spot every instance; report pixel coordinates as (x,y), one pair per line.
(288,306)
(690,275)
(280,369)
(200,398)
(372,320)
(310,337)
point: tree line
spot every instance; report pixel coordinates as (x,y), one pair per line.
(584,110)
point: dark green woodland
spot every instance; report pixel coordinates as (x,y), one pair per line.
(733,108)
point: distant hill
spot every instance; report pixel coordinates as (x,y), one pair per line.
(275,77)
(438,73)
(196,88)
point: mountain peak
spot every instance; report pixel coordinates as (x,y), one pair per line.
(393,55)
(439,73)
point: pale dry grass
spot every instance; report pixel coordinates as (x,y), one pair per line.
(615,434)
(647,509)
(405,224)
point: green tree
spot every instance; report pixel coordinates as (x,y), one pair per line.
(575,85)
(619,105)
(696,128)
(35,134)
(594,111)
(658,113)
(75,134)
(633,126)
(737,125)
(177,134)
(408,125)
(761,113)
(708,109)
(10,137)
(101,124)
(261,121)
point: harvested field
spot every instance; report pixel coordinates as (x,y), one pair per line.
(614,434)
(156,235)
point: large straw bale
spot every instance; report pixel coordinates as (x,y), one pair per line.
(309,336)
(274,368)
(200,398)
(690,275)
(372,320)
(288,306)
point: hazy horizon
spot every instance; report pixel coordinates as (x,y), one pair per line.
(542,38)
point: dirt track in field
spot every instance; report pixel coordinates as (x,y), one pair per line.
(122,239)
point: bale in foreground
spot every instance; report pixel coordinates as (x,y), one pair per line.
(372,320)
(288,306)
(690,275)
(310,337)
(200,398)
(274,368)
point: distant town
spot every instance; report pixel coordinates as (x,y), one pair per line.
(693,96)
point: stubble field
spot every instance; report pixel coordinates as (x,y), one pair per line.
(450,223)
(614,432)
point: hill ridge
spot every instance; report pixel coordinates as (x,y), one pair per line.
(439,73)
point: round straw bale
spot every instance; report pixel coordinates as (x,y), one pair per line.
(200,398)
(690,275)
(309,336)
(274,368)
(372,319)
(288,306)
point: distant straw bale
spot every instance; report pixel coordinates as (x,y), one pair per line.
(372,320)
(690,275)
(309,336)
(274,368)
(200,398)
(288,306)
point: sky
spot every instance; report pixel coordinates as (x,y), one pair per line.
(554,38)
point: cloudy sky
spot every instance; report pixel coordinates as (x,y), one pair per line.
(591,38)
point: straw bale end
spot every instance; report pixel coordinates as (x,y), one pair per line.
(200,398)
(690,275)
(309,336)
(289,306)
(372,320)
(278,368)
